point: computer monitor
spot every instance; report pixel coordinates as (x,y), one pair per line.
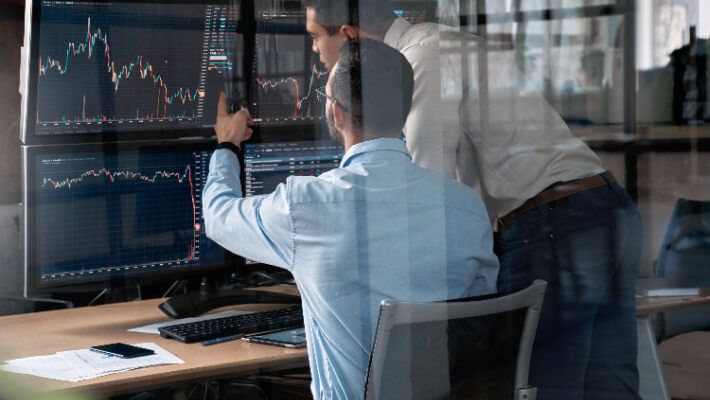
(269,163)
(269,159)
(288,12)
(416,12)
(285,72)
(95,213)
(119,70)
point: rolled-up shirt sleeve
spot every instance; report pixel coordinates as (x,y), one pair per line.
(258,228)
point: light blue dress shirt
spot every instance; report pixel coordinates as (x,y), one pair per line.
(378,227)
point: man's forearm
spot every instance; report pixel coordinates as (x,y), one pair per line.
(252,227)
(222,189)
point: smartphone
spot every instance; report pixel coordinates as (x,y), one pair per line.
(292,338)
(122,350)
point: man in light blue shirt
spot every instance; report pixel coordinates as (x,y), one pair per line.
(378,227)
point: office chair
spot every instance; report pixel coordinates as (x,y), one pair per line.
(473,348)
(684,259)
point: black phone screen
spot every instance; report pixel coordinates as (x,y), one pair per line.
(122,350)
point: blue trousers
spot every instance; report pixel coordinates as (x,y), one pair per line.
(587,247)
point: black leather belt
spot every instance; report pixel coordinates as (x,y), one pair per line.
(558,192)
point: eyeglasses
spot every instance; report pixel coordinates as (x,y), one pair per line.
(321,92)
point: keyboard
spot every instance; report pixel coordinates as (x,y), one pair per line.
(235,325)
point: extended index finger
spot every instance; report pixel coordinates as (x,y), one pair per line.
(222,104)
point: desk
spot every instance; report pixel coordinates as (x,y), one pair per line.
(652,382)
(51,331)
(650,305)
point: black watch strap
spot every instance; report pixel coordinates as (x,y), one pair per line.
(229,146)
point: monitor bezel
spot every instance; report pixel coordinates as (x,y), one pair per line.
(28,86)
(32,283)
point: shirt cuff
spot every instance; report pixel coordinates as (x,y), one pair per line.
(229,146)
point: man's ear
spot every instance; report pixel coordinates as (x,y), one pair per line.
(340,117)
(350,31)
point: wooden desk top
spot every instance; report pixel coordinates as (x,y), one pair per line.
(44,333)
(47,332)
(648,305)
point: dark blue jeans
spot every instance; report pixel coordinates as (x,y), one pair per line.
(587,247)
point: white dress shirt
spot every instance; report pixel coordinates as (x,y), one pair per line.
(512,151)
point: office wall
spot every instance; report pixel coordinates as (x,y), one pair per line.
(11,32)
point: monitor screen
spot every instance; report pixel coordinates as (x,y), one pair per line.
(98,212)
(286,74)
(128,67)
(416,12)
(286,12)
(413,16)
(268,164)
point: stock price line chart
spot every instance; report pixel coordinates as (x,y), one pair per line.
(102,213)
(287,74)
(119,66)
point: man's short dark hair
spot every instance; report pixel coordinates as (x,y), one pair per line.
(372,16)
(375,82)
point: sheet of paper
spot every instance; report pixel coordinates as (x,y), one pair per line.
(53,367)
(86,359)
(65,375)
(153,328)
(62,375)
(77,365)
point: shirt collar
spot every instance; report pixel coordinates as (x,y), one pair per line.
(396,31)
(374,145)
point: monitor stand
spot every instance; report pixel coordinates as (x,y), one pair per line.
(36,300)
(118,291)
(196,303)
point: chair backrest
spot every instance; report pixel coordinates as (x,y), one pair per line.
(684,259)
(477,347)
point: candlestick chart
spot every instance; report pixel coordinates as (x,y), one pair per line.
(100,213)
(287,75)
(119,66)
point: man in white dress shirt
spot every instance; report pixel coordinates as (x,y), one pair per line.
(560,216)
